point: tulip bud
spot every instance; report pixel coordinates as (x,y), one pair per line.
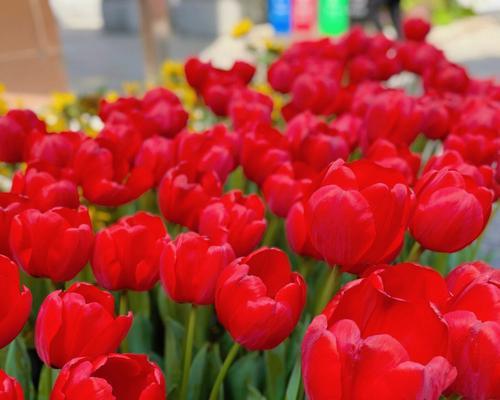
(10,206)
(127,254)
(55,244)
(259,299)
(190,266)
(10,389)
(65,315)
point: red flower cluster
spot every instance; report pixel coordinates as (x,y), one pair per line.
(356,171)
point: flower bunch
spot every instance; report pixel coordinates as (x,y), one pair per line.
(320,245)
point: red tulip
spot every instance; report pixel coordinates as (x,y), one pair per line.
(369,208)
(10,206)
(55,150)
(235,219)
(248,107)
(475,353)
(190,266)
(315,92)
(393,116)
(164,110)
(287,185)
(107,177)
(263,151)
(349,124)
(314,142)
(157,154)
(109,377)
(185,191)
(65,315)
(482,175)
(404,301)
(437,118)
(10,389)
(15,128)
(339,362)
(259,299)
(127,254)
(213,150)
(15,302)
(298,233)
(451,210)
(399,158)
(416,29)
(45,191)
(55,244)
(417,57)
(478,146)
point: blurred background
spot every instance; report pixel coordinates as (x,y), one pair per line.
(90,45)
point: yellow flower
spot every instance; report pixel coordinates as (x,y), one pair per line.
(242,28)
(275,46)
(111,96)
(61,100)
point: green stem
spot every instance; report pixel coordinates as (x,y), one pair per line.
(214,394)
(330,287)
(188,354)
(123,310)
(415,253)
(272,231)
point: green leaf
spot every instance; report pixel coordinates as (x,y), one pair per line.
(140,337)
(254,394)
(196,375)
(276,373)
(47,378)
(174,333)
(18,365)
(245,371)
(214,366)
(293,386)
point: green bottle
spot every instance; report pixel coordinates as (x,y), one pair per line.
(333,17)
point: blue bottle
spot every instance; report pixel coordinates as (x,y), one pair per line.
(280,15)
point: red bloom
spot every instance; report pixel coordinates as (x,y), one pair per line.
(444,76)
(259,299)
(107,176)
(349,124)
(185,191)
(190,266)
(393,116)
(478,146)
(15,303)
(113,376)
(248,107)
(417,57)
(416,29)
(451,210)
(45,191)
(287,185)
(157,155)
(164,110)
(437,119)
(314,142)
(216,85)
(64,315)
(127,254)
(474,320)
(298,232)
(315,92)
(15,128)
(339,362)
(55,244)
(369,207)
(213,150)
(483,175)
(235,219)
(401,159)
(10,389)
(55,152)
(263,151)
(404,301)
(10,206)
